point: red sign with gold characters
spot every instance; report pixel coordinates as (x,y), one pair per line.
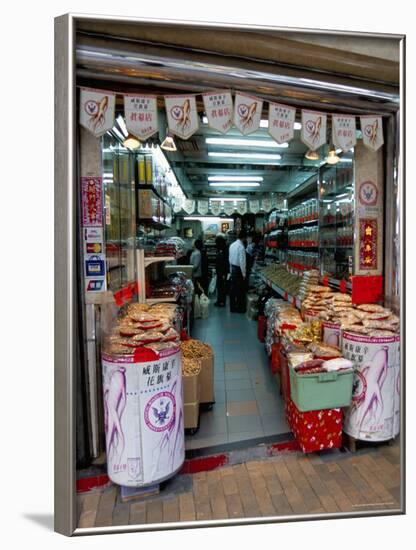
(92,210)
(368,244)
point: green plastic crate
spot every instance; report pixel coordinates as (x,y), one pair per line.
(324,390)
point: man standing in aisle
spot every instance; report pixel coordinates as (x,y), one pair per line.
(237,257)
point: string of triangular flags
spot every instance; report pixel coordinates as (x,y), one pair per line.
(217,207)
(97,113)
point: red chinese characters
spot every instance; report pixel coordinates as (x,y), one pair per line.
(368,244)
(92,211)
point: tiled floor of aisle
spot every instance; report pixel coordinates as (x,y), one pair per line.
(248,404)
(290,483)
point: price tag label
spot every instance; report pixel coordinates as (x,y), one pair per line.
(126,293)
(343,286)
(118,298)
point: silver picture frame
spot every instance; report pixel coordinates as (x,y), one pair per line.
(65,231)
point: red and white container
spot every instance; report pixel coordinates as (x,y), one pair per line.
(143,409)
(374,414)
(331,334)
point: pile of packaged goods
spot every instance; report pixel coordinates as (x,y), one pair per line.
(309,279)
(144,326)
(371,319)
(272,309)
(280,276)
(174,246)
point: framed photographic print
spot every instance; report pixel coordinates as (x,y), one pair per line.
(268,387)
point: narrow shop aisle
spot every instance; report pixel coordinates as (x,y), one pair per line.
(248,403)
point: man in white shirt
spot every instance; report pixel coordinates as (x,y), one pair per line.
(237,258)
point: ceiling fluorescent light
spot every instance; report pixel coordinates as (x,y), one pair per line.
(263,156)
(235,178)
(264,123)
(245,142)
(226,199)
(234,184)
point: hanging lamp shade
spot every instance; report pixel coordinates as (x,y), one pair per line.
(168,144)
(332,157)
(131,142)
(312,155)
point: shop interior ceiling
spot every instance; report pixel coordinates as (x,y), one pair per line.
(165,59)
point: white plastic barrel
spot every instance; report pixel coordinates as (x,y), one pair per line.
(374,414)
(144,425)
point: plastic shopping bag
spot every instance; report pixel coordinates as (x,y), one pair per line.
(212,285)
(197,307)
(204,305)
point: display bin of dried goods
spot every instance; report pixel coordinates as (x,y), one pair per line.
(315,430)
(261,328)
(143,412)
(191,370)
(331,334)
(323,390)
(191,415)
(195,349)
(374,414)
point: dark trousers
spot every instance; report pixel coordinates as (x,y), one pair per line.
(237,291)
(221,288)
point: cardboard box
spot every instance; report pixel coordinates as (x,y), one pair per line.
(315,430)
(206,377)
(191,388)
(191,414)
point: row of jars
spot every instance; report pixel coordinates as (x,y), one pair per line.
(306,211)
(305,236)
(340,236)
(302,260)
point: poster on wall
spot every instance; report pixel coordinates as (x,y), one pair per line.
(144,417)
(247,113)
(281,122)
(203,207)
(182,115)
(313,133)
(343,132)
(215,207)
(96,110)
(140,113)
(372,130)
(219,110)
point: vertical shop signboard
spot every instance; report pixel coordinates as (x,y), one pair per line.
(219,110)
(96,110)
(144,424)
(182,115)
(313,132)
(140,113)
(368,253)
(343,132)
(93,234)
(281,122)
(247,113)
